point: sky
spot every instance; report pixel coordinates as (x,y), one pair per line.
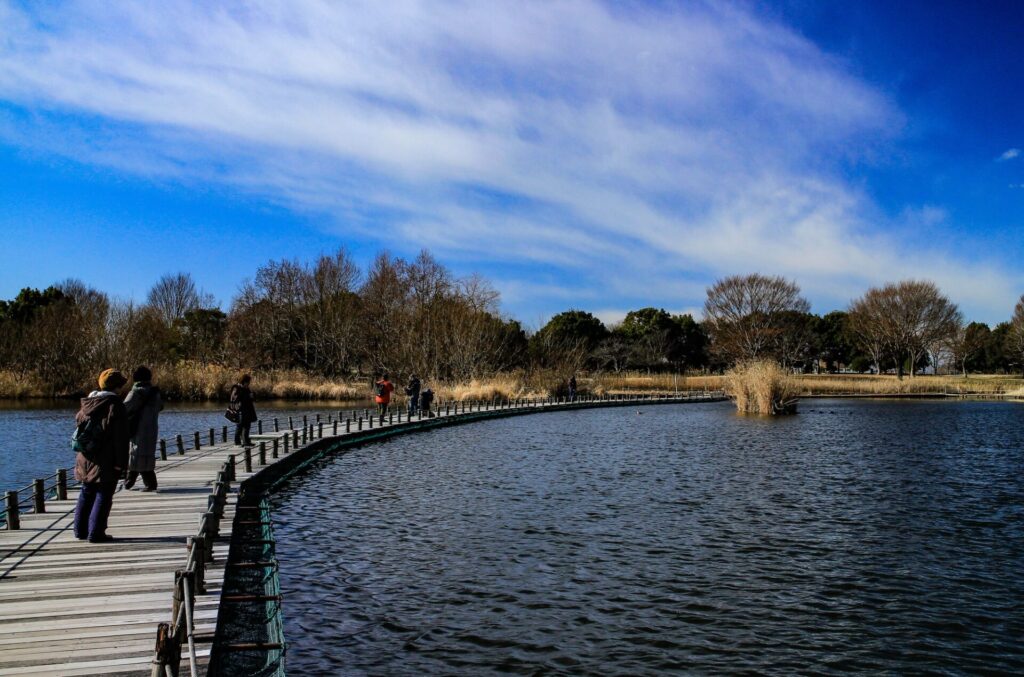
(602,156)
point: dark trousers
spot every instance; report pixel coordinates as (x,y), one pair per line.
(148,478)
(93,509)
(382,409)
(242,434)
(413,404)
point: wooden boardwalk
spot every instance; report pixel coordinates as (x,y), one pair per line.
(69,607)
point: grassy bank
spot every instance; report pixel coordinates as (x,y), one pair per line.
(196,382)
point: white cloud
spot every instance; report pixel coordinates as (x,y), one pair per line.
(1008,154)
(638,150)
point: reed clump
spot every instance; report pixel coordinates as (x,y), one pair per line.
(762,387)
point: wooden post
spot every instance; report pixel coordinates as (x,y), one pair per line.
(259,427)
(360,424)
(62,484)
(231,467)
(370,421)
(318,418)
(335,428)
(286,440)
(295,439)
(276,429)
(213,437)
(291,424)
(305,433)
(195,440)
(248,459)
(13,520)
(273,449)
(224,434)
(305,420)
(348,425)
(181,445)
(163,449)
(263,453)
(391,418)
(197,545)
(38,496)
(321,425)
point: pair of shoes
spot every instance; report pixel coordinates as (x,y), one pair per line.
(81,538)
(102,538)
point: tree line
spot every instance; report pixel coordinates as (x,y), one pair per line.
(331,319)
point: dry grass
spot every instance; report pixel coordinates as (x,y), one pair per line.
(16,386)
(762,387)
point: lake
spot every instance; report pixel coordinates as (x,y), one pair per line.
(863,536)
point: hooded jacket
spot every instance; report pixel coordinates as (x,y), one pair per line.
(109,410)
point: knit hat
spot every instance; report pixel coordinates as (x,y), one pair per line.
(111,379)
(142,374)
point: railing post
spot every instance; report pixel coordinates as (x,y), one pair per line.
(197,546)
(391,419)
(348,425)
(181,445)
(291,425)
(13,520)
(163,449)
(335,428)
(305,435)
(231,467)
(263,453)
(224,434)
(62,484)
(305,420)
(321,425)
(360,423)
(213,437)
(295,439)
(248,459)
(196,440)
(318,418)
(286,443)
(276,429)
(259,427)
(38,496)
(273,448)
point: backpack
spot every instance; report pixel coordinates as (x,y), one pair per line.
(382,390)
(87,439)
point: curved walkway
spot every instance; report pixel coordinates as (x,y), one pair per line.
(73,608)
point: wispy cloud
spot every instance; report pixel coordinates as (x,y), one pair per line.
(1008,154)
(639,151)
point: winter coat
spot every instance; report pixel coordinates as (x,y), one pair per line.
(113,451)
(413,389)
(144,403)
(385,387)
(242,402)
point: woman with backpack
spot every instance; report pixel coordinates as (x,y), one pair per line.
(101,443)
(242,403)
(143,405)
(383,389)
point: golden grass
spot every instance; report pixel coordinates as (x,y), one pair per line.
(762,387)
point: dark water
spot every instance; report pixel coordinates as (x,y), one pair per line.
(34,438)
(855,537)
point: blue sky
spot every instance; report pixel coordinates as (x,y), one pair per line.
(579,154)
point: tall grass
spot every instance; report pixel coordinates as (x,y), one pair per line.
(762,387)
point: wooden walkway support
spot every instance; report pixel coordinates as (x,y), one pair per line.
(147,603)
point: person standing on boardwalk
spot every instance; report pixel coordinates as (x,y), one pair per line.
(427,402)
(572,388)
(102,436)
(383,389)
(143,405)
(242,402)
(413,391)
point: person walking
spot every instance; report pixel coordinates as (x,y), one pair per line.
(101,441)
(383,389)
(427,402)
(241,401)
(413,391)
(143,406)
(572,388)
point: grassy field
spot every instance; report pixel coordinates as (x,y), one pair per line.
(195,382)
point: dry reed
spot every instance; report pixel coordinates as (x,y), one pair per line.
(762,387)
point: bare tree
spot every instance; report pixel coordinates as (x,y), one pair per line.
(1015,339)
(173,295)
(742,314)
(903,319)
(965,343)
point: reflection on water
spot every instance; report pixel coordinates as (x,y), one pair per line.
(34,436)
(856,536)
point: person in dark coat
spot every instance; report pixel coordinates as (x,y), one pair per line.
(426,402)
(413,391)
(572,388)
(241,401)
(99,473)
(143,405)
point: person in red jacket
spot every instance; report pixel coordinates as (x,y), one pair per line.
(99,468)
(383,389)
